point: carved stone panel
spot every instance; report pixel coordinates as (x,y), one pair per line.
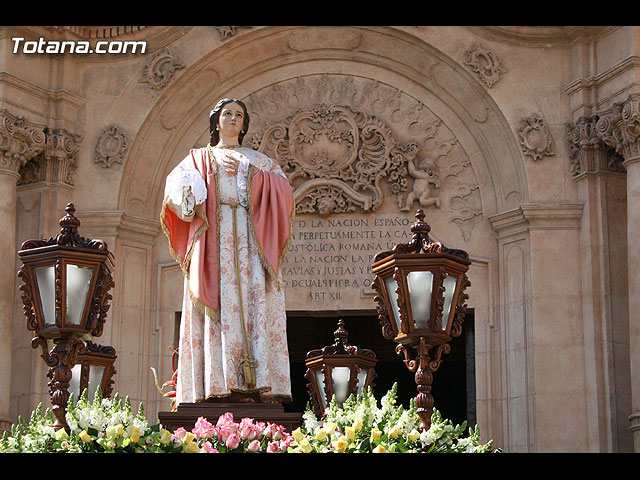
(484,64)
(362,157)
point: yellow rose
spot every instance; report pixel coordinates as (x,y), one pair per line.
(84,436)
(379,449)
(134,434)
(341,446)
(321,434)
(305,446)
(350,432)
(395,431)
(191,447)
(375,435)
(297,434)
(189,437)
(414,435)
(120,430)
(358,424)
(165,436)
(329,428)
(61,434)
(110,431)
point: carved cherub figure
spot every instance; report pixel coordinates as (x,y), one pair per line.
(424,176)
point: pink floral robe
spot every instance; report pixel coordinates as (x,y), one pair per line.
(218,292)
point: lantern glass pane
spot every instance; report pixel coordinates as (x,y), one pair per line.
(78,279)
(450,287)
(46,278)
(362,379)
(95,379)
(392,285)
(74,383)
(320,382)
(420,285)
(340,376)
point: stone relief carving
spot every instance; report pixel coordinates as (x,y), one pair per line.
(227,31)
(56,163)
(484,64)
(20,141)
(161,69)
(352,144)
(619,127)
(425,184)
(340,152)
(535,137)
(111,147)
(588,152)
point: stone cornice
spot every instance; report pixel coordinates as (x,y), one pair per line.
(541,216)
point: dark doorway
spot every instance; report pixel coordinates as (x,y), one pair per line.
(453,385)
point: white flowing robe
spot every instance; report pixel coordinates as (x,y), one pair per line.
(212,347)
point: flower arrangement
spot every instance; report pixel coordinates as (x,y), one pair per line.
(361,426)
(111,426)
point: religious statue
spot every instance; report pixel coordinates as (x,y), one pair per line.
(228,213)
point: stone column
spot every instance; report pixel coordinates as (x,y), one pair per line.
(619,127)
(19,142)
(601,181)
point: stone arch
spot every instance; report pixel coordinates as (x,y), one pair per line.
(386,54)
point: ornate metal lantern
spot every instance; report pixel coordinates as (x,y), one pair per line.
(66,280)
(420,299)
(94,367)
(339,369)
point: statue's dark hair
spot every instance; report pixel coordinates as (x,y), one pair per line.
(214,115)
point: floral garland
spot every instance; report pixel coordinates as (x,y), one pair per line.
(360,426)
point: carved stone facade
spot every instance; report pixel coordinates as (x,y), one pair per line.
(533,171)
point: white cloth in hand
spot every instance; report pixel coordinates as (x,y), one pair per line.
(186,188)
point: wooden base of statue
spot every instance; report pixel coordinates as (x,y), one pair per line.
(187,414)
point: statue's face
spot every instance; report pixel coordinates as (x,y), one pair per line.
(231,119)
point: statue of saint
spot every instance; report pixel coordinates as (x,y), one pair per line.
(228,213)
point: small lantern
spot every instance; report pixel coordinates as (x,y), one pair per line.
(94,367)
(420,288)
(339,369)
(66,280)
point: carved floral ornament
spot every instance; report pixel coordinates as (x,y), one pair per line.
(111,147)
(535,137)
(484,64)
(161,69)
(350,145)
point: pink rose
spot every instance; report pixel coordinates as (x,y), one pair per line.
(203,429)
(273,447)
(225,431)
(208,448)
(277,431)
(225,419)
(254,446)
(233,441)
(179,433)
